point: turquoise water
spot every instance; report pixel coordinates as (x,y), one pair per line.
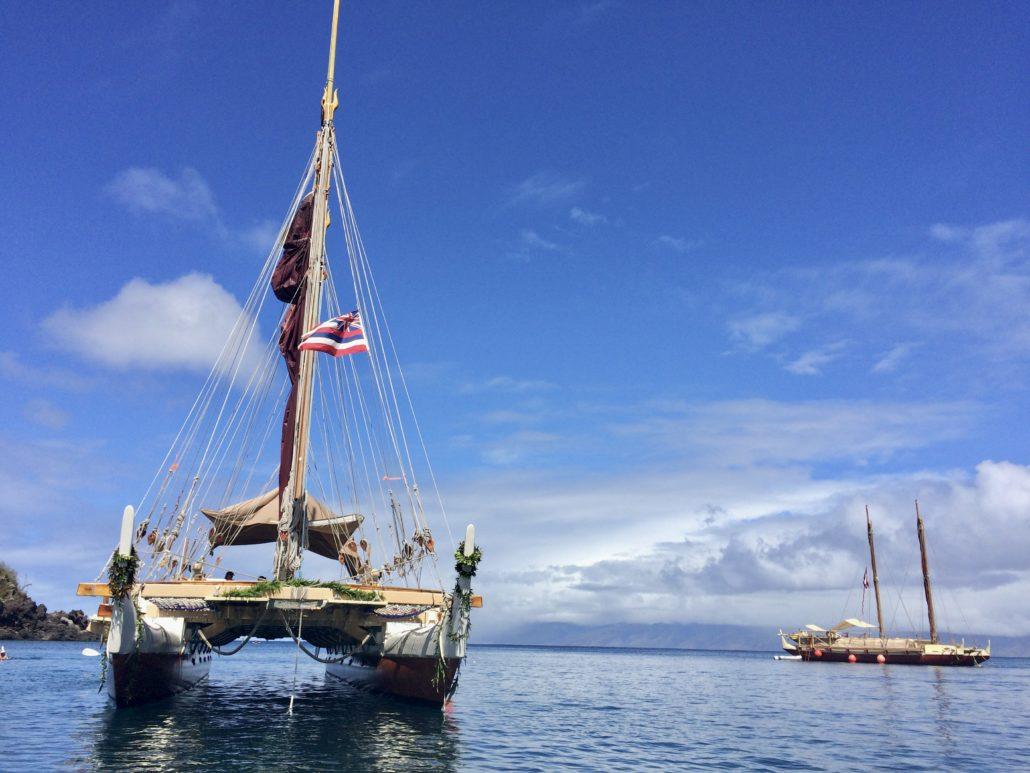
(528,709)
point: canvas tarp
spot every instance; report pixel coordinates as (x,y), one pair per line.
(851,622)
(256,520)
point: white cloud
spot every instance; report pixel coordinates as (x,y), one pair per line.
(520,446)
(545,188)
(178,324)
(149,190)
(767,546)
(964,301)
(677,244)
(759,330)
(889,362)
(811,363)
(759,431)
(585,217)
(1007,238)
(531,238)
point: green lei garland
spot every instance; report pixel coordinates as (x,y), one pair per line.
(465,566)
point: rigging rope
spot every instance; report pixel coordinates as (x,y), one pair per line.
(305,650)
(244,642)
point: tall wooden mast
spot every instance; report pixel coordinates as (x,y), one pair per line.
(876,577)
(926,575)
(293,520)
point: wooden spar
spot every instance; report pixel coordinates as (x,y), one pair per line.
(876,577)
(212,589)
(926,575)
(312,309)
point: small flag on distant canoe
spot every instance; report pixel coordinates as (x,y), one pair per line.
(865,579)
(337,336)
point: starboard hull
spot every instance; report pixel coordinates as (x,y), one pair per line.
(411,678)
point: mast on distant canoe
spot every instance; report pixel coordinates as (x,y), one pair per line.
(288,552)
(926,575)
(876,577)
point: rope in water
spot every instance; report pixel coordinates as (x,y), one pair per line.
(296,655)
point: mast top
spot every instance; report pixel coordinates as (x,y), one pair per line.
(330,97)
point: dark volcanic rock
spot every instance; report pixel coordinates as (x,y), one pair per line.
(23,618)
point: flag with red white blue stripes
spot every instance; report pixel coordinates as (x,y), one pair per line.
(338,336)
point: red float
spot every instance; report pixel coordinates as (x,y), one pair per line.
(852,659)
(881,658)
(818,653)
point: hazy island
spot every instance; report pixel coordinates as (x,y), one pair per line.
(23,618)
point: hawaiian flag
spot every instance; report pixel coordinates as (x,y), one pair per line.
(337,336)
(865,579)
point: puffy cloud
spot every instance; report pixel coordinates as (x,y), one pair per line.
(183,323)
(771,552)
(149,190)
(188,197)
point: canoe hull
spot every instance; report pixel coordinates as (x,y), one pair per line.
(895,658)
(412,678)
(143,677)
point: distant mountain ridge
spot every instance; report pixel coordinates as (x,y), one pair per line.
(697,636)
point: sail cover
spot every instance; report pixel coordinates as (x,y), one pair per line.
(256,520)
(288,286)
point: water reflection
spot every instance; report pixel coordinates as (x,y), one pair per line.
(220,725)
(943,704)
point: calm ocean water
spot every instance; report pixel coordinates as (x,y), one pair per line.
(527,709)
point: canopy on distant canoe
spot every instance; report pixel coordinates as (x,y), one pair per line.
(851,622)
(256,521)
(815,628)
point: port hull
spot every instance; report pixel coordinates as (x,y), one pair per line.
(143,677)
(412,678)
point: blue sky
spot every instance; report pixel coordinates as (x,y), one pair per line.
(680,286)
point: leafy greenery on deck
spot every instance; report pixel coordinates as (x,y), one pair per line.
(264,588)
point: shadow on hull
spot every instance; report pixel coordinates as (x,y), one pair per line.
(144,677)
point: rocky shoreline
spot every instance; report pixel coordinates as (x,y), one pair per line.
(23,618)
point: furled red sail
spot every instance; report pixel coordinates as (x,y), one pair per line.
(288,286)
